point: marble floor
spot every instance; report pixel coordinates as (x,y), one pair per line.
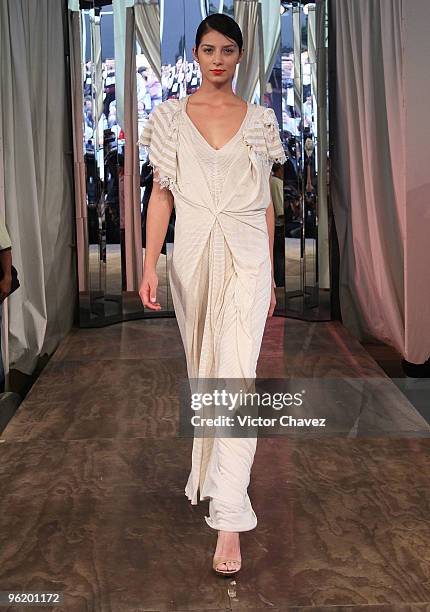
(92,476)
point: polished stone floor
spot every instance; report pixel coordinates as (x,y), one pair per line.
(92,474)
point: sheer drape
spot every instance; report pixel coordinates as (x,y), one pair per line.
(247,13)
(37,176)
(147,17)
(147,20)
(368,168)
(120,35)
(370,171)
(416,73)
(271,24)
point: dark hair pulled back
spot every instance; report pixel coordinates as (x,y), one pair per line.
(221,23)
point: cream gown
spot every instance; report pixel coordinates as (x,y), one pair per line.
(220,276)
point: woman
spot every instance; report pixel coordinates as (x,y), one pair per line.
(213,152)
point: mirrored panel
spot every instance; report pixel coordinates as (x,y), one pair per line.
(122,66)
(301,245)
(110,202)
(103,154)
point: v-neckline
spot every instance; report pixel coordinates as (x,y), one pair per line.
(185,102)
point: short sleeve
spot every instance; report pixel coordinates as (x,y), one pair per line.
(275,149)
(151,137)
(159,137)
(146,133)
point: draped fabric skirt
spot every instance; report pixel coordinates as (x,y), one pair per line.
(220,279)
(221,466)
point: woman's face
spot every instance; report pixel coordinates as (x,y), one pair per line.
(217,52)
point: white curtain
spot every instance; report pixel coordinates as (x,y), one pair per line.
(370,171)
(37,176)
(416,74)
(147,18)
(120,33)
(247,13)
(271,25)
(148,29)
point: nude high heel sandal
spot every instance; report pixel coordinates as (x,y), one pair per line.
(218,560)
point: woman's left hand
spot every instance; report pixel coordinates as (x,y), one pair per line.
(272,301)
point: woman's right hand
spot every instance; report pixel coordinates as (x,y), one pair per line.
(148,290)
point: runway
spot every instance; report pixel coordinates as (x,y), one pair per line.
(92,474)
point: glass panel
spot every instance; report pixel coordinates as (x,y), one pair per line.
(302,79)
(309,193)
(297,91)
(291,118)
(103,162)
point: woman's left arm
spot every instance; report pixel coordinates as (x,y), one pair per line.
(270,220)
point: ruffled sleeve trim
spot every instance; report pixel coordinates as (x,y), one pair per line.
(275,150)
(159,139)
(262,137)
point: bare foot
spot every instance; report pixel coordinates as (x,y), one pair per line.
(228,546)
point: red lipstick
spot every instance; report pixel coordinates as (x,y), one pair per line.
(217,71)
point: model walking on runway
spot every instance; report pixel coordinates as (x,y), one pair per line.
(212,154)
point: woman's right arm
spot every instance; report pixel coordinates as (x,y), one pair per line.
(160,208)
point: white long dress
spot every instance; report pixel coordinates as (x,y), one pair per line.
(220,276)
